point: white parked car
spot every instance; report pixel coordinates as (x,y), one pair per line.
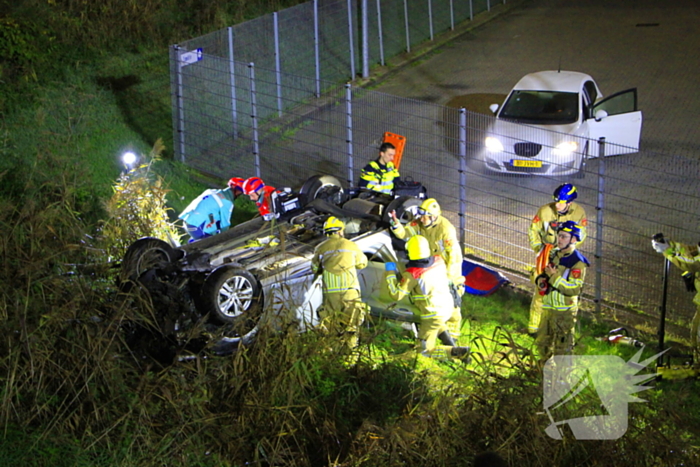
(550,124)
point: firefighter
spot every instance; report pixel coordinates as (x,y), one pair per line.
(338,259)
(380,175)
(561,285)
(442,237)
(425,280)
(543,231)
(262,195)
(687,259)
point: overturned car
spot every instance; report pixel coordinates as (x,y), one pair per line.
(261,270)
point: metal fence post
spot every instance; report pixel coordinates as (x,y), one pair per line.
(462,174)
(278,71)
(430,18)
(365,39)
(232,74)
(405,16)
(254,119)
(380,32)
(599,226)
(316,51)
(180,110)
(452,15)
(471,10)
(348,125)
(351,36)
(488,5)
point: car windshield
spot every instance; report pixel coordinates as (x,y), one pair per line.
(541,107)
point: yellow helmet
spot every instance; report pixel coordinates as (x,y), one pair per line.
(333,225)
(431,207)
(418,247)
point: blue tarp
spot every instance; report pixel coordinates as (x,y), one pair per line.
(481,280)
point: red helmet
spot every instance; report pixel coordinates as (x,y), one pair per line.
(236,183)
(252,185)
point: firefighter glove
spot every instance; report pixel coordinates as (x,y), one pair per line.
(660,246)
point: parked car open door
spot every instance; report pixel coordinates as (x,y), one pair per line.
(618,120)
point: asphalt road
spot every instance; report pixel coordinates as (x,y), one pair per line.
(645,44)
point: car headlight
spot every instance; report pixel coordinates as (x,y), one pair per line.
(565,148)
(493,144)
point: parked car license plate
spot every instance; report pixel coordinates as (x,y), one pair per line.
(519,163)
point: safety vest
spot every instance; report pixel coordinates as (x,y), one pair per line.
(379,177)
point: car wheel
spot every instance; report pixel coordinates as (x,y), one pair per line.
(144,255)
(325,187)
(405,207)
(232,296)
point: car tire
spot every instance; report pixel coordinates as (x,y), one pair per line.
(143,255)
(231,295)
(326,187)
(403,206)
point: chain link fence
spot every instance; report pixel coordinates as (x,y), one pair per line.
(238,114)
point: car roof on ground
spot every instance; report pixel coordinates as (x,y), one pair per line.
(552,80)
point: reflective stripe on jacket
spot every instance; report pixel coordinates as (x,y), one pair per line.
(207,209)
(543,226)
(566,284)
(686,258)
(265,203)
(442,237)
(428,288)
(379,177)
(338,259)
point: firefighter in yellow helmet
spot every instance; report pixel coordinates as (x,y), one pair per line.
(561,285)
(443,241)
(425,280)
(338,259)
(543,231)
(687,259)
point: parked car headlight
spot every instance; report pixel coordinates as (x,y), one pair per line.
(493,144)
(565,148)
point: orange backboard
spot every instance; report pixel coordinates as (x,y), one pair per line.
(399,143)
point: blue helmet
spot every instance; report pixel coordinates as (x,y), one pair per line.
(566,192)
(571,227)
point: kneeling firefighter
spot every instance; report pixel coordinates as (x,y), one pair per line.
(426,281)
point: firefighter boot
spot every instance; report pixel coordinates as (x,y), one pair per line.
(461,353)
(446,339)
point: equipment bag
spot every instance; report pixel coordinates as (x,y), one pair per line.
(409,187)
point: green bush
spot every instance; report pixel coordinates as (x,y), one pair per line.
(137,209)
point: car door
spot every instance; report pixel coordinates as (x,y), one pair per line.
(296,295)
(373,285)
(622,127)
